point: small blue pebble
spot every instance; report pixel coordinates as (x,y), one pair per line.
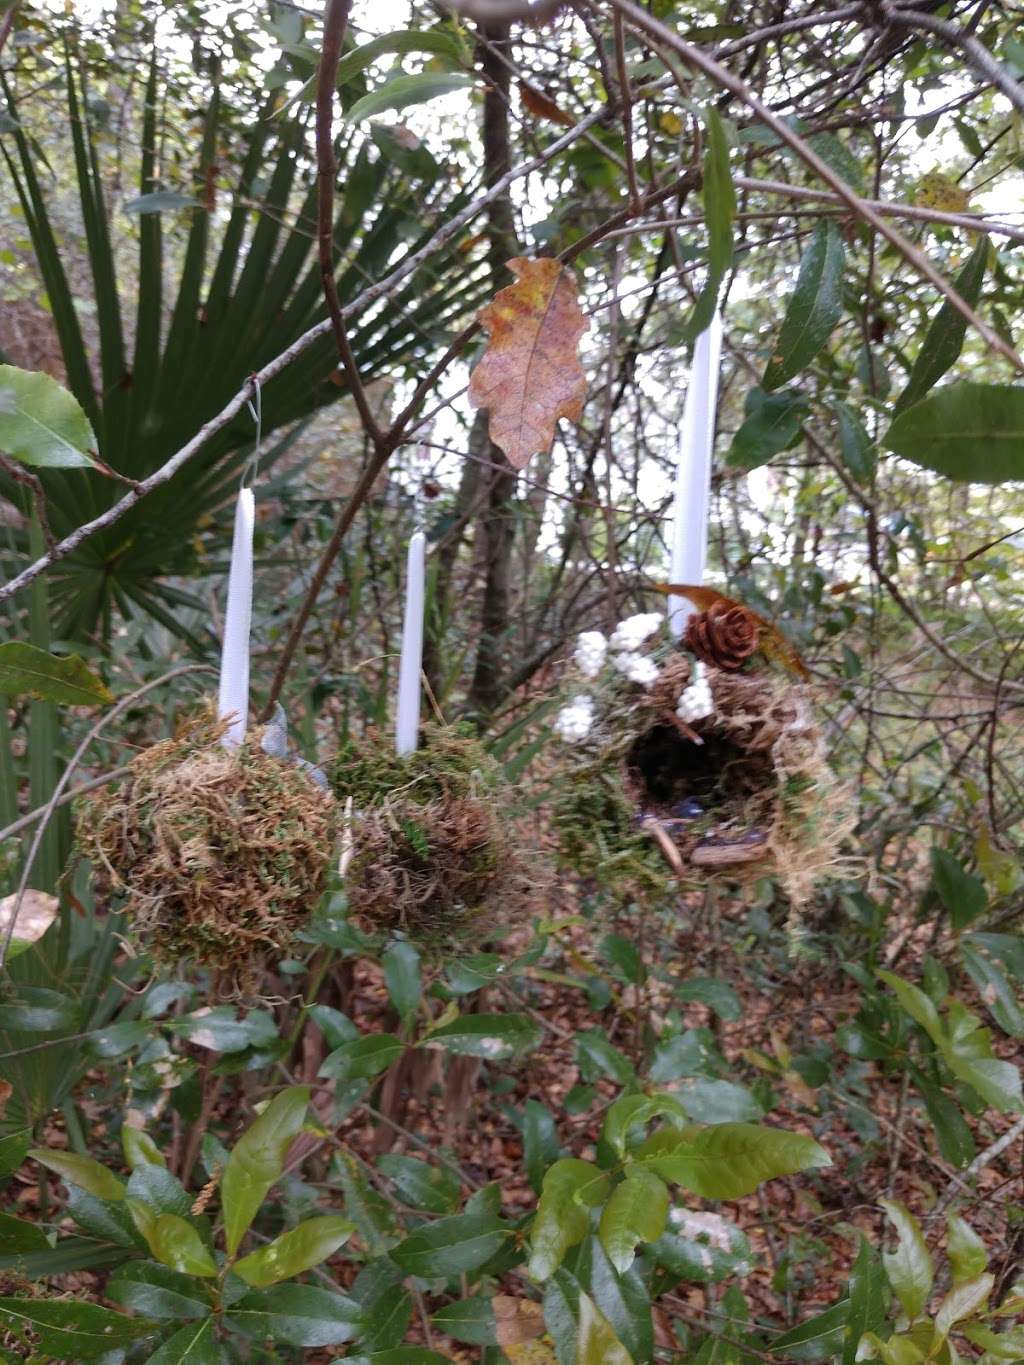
(690,809)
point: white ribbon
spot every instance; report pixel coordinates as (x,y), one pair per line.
(693,474)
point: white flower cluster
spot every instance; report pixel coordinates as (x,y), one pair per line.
(574,722)
(696,701)
(630,634)
(638,668)
(591,652)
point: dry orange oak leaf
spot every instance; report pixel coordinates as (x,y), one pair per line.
(530,374)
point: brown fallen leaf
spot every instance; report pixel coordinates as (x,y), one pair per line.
(773,643)
(543,106)
(516,1320)
(530,374)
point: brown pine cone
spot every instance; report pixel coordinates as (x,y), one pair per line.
(723,636)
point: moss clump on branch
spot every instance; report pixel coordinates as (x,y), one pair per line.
(221,854)
(431,850)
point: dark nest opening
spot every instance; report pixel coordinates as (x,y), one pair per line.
(742,794)
(221,854)
(431,849)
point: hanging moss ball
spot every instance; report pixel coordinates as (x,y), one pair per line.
(431,849)
(672,766)
(220,853)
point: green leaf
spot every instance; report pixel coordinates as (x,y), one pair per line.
(41,423)
(855,445)
(963,894)
(408,40)
(362,1058)
(622,953)
(118,1039)
(917,1005)
(962,1301)
(719,196)
(540,1142)
(729,1160)
(297,1315)
(819,1338)
(401,965)
(967,1255)
(570,1188)
(173,1241)
(637,1211)
(370,1211)
(598,1344)
(405,90)
(708,1101)
(157,1187)
(295,1251)
(999,997)
(701,1247)
(967,431)
(82,1171)
(954,1136)
(36,1009)
(772,425)
(220,1029)
(631,1111)
(451,1246)
(944,339)
(909,1267)
(258,1160)
(597,1058)
(469,1320)
(495,1037)
(71,1330)
(160,201)
(13,1149)
(107,1220)
(814,308)
(139,1148)
(336,1027)
(158,1292)
(193,1345)
(709,990)
(434,1189)
(898,1350)
(867,1300)
(686,1054)
(26,671)
(16,1235)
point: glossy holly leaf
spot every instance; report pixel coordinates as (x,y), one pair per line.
(701,1247)
(26,671)
(257,1161)
(944,339)
(716,994)
(17,1235)
(598,1058)
(855,445)
(372,1214)
(1001,998)
(221,1029)
(728,1160)
(963,894)
(363,1057)
(297,1315)
(401,965)
(403,91)
(967,431)
(71,1330)
(962,1302)
(814,308)
(193,1345)
(421,1185)
(636,1211)
(571,1187)
(867,1300)
(598,1344)
(967,1255)
(630,1113)
(36,1009)
(295,1251)
(494,1037)
(819,1338)
(540,1142)
(772,424)
(82,1171)
(139,1148)
(156,1291)
(468,1320)
(530,374)
(909,1268)
(42,424)
(451,1246)
(173,1241)
(705,1100)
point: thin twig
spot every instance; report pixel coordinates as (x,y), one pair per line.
(32,816)
(976,54)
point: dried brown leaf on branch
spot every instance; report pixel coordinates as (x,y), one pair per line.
(543,106)
(530,374)
(773,643)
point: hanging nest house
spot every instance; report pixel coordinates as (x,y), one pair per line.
(222,854)
(430,849)
(694,760)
